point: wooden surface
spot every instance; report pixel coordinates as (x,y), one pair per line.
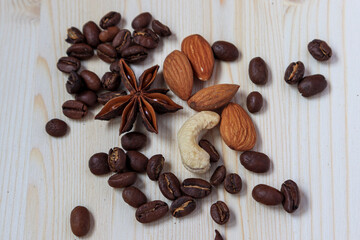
(312,141)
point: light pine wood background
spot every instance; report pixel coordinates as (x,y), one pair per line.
(313,141)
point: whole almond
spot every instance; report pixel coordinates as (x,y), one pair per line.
(200,55)
(236,128)
(178,74)
(213,97)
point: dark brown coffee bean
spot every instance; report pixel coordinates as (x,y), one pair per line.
(151,211)
(134,54)
(122,40)
(107,96)
(160,29)
(320,50)
(133,141)
(255,161)
(219,212)
(98,164)
(56,127)
(254,102)
(311,85)
(218,235)
(114,67)
(146,38)
(68,64)
(267,195)
(92,81)
(291,194)
(74,109)
(91,32)
(294,72)
(80,221)
(80,51)
(225,51)
(258,71)
(233,183)
(74,35)
(121,180)
(137,161)
(141,21)
(134,197)
(117,159)
(182,206)
(210,149)
(88,97)
(106,52)
(218,176)
(169,186)
(74,83)
(110,81)
(155,166)
(110,19)
(109,34)
(196,187)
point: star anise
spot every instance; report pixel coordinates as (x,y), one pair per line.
(140,99)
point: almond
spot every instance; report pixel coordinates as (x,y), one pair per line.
(200,55)
(178,74)
(236,128)
(213,97)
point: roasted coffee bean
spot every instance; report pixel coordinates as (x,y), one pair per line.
(233,183)
(182,206)
(110,19)
(74,83)
(122,40)
(91,32)
(291,194)
(254,102)
(320,50)
(294,72)
(109,34)
(114,67)
(151,211)
(169,186)
(134,197)
(137,161)
(146,38)
(88,97)
(218,235)
(225,51)
(160,29)
(80,51)
(133,141)
(74,109)
(220,213)
(155,166)
(141,21)
(117,159)
(311,85)
(196,187)
(107,96)
(80,221)
(56,127)
(134,54)
(210,149)
(98,164)
(121,180)
(106,52)
(74,35)
(218,176)
(267,195)
(258,71)
(110,81)
(255,161)
(92,81)
(68,64)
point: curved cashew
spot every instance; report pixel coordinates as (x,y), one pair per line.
(194,158)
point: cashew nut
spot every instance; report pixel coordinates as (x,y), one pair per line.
(194,158)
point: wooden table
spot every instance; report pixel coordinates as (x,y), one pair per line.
(313,141)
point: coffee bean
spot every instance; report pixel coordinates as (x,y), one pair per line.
(151,211)
(107,96)
(291,194)
(311,85)
(218,176)
(134,197)
(74,109)
(110,81)
(80,221)
(225,51)
(74,35)
(169,186)
(155,166)
(92,81)
(182,206)
(210,149)
(267,195)
(146,38)
(122,40)
(80,51)
(254,102)
(114,67)
(160,29)
(258,71)
(255,161)
(218,235)
(294,72)
(137,161)
(68,64)
(56,127)
(117,159)
(88,97)
(106,52)
(98,164)
(121,180)
(134,54)
(320,50)
(196,187)
(74,83)
(233,183)
(91,32)
(141,21)
(133,141)
(110,19)
(109,34)
(219,212)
